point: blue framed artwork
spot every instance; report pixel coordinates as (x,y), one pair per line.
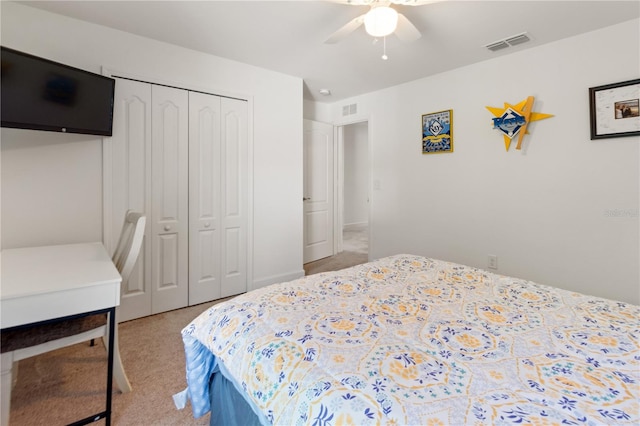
(437,132)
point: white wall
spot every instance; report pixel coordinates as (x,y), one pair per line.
(545,211)
(317,111)
(356,175)
(52,183)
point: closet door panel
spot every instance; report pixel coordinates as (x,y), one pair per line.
(204,198)
(169,185)
(130,148)
(169,248)
(234,200)
(233,249)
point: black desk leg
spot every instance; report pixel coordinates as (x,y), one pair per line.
(112,332)
(107,413)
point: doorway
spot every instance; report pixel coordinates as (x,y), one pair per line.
(353,159)
(346,224)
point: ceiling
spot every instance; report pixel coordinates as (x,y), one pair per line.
(288,36)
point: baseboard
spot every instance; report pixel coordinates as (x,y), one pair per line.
(274,279)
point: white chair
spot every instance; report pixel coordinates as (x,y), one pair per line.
(25,343)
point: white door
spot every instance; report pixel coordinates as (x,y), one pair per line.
(169,187)
(234,206)
(218,203)
(128,175)
(204,198)
(318,195)
(196,242)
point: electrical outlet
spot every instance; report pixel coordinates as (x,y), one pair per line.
(493,262)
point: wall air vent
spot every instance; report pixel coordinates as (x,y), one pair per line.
(508,42)
(349,109)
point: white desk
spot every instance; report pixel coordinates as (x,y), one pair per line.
(42,283)
(46,283)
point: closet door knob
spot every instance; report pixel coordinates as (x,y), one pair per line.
(207,224)
(167,228)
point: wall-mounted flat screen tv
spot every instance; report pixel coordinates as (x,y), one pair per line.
(40,94)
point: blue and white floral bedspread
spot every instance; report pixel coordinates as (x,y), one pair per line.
(407,340)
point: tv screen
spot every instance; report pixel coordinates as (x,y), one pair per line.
(40,94)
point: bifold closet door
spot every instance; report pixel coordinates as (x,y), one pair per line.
(180,157)
(218,205)
(129,175)
(169,209)
(204,198)
(234,208)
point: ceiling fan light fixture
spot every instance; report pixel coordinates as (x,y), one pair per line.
(381,21)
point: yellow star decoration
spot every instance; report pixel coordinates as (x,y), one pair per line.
(524,108)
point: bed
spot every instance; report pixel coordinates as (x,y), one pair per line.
(408,340)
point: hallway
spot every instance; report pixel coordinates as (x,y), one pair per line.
(355,252)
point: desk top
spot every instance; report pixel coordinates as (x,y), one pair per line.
(40,283)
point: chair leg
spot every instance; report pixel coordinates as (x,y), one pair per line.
(6,362)
(118,369)
(14,374)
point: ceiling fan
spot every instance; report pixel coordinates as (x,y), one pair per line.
(381,20)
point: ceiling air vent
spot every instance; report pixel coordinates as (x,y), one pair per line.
(497,45)
(507,42)
(518,39)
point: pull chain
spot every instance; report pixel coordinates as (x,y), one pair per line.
(384,49)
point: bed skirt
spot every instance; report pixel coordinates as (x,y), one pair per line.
(228,406)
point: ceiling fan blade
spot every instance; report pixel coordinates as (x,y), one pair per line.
(398,2)
(350,27)
(414,2)
(405,30)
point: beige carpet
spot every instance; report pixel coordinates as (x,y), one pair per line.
(335,263)
(356,238)
(355,242)
(68,384)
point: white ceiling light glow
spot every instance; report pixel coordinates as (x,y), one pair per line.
(381,21)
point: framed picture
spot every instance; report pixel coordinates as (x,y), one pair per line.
(615,110)
(437,132)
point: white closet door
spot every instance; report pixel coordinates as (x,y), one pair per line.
(234,205)
(130,166)
(169,186)
(204,198)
